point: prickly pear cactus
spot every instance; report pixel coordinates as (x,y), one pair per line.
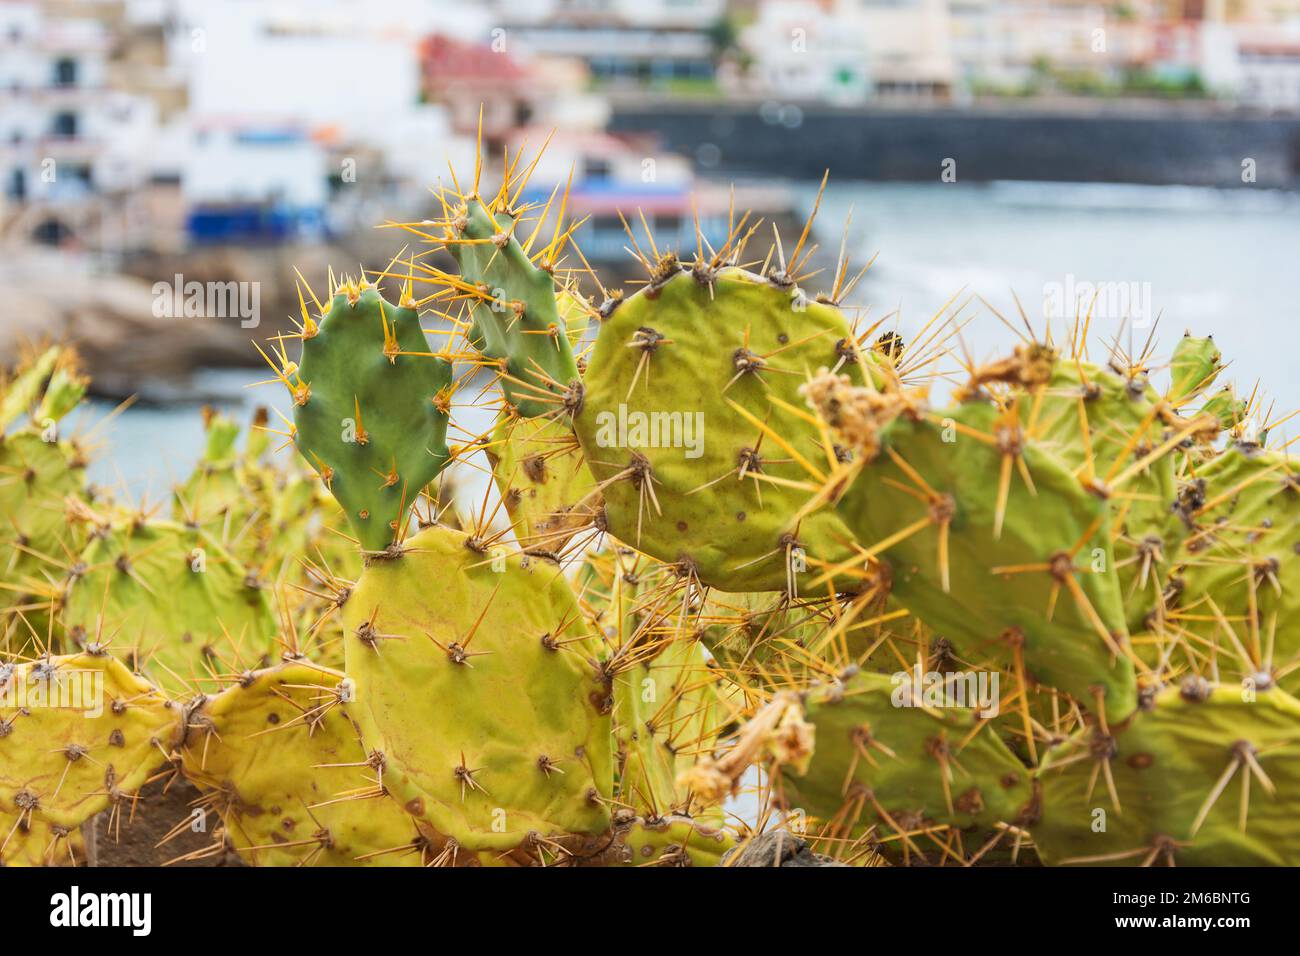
(692,422)
(370,408)
(543,480)
(956,503)
(515,321)
(1051,623)
(887,758)
(478,698)
(282,764)
(1203,775)
(167,597)
(79,734)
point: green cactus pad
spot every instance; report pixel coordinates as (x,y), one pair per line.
(1179,769)
(36,476)
(541,476)
(474,683)
(878,762)
(169,597)
(516,323)
(370,409)
(666,712)
(1047,583)
(219,496)
(1099,423)
(1235,593)
(659,430)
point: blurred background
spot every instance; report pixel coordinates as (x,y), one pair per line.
(1141,156)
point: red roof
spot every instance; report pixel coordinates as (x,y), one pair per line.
(445,60)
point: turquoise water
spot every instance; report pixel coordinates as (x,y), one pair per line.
(1213,261)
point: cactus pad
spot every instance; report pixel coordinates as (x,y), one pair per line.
(479,695)
(682,421)
(78,734)
(284,766)
(370,409)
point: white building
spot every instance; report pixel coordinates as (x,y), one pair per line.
(307,89)
(908,42)
(634,40)
(65,133)
(805,52)
(845,50)
(1269,71)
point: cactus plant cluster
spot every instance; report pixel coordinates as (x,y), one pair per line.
(742,545)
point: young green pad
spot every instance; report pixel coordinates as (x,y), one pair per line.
(682,421)
(666,712)
(370,409)
(78,734)
(1195,365)
(22,391)
(286,768)
(477,695)
(1206,776)
(517,323)
(886,756)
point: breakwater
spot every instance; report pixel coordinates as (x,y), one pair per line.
(1153,144)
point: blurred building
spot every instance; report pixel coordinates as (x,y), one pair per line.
(845,50)
(631,42)
(505,89)
(1269,72)
(806,51)
(79,123)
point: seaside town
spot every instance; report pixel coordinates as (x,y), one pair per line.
(991,537)
(145,139)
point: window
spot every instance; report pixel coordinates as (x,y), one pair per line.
(65,71)
(65,124)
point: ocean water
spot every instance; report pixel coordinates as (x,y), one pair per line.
(1221,262)
(1213,261)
